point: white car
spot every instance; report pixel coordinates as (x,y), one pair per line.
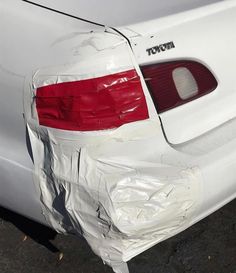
(117,119)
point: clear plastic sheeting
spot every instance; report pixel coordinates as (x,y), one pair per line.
(112,186)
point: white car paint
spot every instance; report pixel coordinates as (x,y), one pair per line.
(27,43)
(200,133)
(122,12)
(199,35)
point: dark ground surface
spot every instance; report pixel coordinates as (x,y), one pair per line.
(207,247)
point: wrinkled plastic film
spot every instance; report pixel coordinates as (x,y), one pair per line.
(112,186)
(94,104)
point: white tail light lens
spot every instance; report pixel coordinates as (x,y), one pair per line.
(185,83)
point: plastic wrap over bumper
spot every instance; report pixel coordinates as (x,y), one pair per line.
(139,202)
(112,186)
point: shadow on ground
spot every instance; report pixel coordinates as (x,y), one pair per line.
(207,247)
(37,232)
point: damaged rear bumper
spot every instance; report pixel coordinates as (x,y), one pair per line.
(120,184)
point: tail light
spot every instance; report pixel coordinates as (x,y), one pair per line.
(175,83)
(93,104)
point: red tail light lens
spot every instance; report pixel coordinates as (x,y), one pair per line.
(94,104)
(175,83)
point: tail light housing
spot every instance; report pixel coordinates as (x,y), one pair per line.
(93,104)
(175,83)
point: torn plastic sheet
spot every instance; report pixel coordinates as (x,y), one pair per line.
(111,186)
